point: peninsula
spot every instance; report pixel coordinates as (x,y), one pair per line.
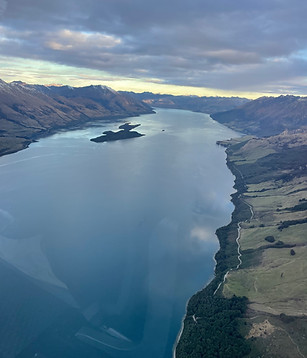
(124,133)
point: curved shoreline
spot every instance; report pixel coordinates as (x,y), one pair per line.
(18,143)
(180,331)
(239,249)
(224,235)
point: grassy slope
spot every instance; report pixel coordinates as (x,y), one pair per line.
(271,178)
(273,280)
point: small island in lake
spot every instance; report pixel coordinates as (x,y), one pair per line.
(124,133)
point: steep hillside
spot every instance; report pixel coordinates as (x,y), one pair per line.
(30,111)
(192,103)
(266,115)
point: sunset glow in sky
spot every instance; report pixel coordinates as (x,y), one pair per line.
(203,47)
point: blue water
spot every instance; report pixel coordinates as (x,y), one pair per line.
(124,231)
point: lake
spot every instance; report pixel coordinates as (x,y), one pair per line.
(121,232)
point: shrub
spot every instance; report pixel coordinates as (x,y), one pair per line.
(269,238)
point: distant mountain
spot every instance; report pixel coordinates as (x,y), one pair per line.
(28,111)
(266,115)
(192,103)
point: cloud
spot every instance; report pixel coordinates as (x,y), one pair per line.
(231,57)
(242,45)
(3,5)
(67,40)
(202,234)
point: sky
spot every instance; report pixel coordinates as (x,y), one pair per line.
(198,47)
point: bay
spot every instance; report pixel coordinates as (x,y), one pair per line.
(122,231)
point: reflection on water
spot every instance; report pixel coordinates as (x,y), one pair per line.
(128,227)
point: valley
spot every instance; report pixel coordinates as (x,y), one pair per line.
(29,112)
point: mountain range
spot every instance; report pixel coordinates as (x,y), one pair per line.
(266,116)
(28,112)
(192,103)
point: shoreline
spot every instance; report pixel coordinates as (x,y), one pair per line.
(185,315)
(21,143)
(230,247)
(179,335)
(270,203)
(219,272)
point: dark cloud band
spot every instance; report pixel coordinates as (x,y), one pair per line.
(241,45)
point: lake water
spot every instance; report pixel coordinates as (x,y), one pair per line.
(122,231)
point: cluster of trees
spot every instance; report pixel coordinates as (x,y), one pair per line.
(302,206)
(288,223)
(299,207)
(215,330)
(269,238)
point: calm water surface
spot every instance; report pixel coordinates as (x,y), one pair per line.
(124,231)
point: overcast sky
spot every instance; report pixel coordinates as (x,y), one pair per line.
(203,46)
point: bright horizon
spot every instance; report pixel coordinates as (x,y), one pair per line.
(37,72)
(244,49)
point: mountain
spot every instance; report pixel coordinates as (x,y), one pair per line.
(192,103)
(266,115)
(28,112)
